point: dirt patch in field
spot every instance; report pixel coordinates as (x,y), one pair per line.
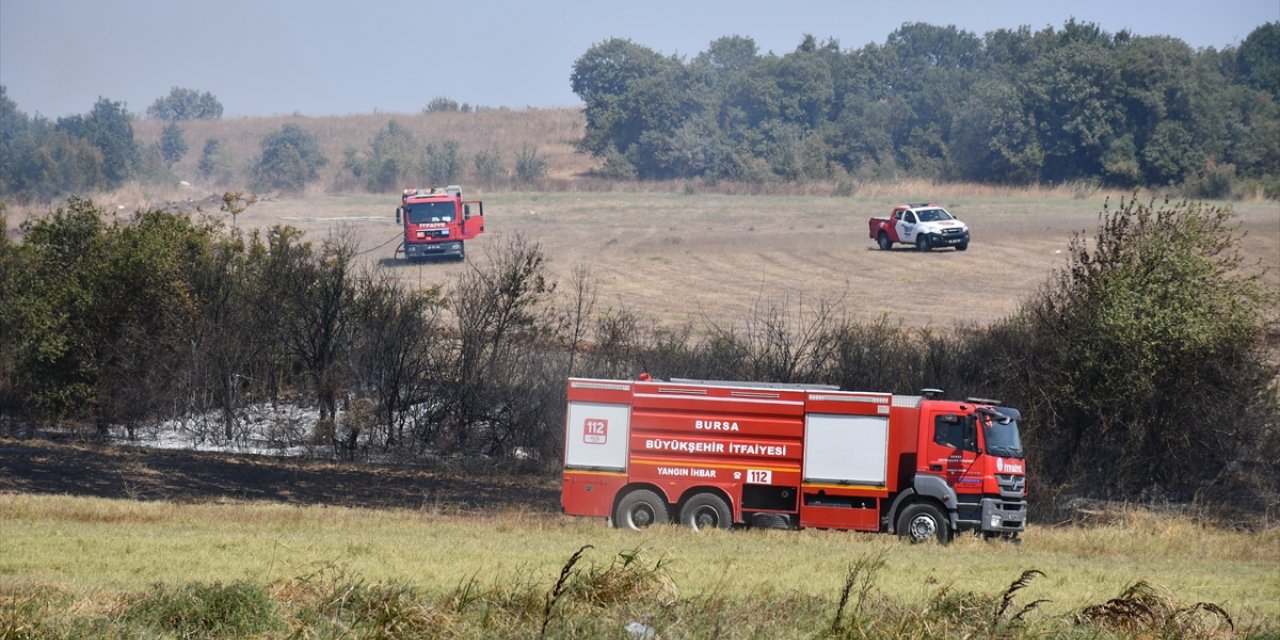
(36,466)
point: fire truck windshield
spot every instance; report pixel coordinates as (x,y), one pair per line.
(427,212)
(1001,435)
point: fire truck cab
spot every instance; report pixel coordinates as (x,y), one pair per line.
(437,222)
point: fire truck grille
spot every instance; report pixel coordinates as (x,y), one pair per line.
(1011,483)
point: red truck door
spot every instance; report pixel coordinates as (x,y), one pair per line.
(952,451)
(472,219)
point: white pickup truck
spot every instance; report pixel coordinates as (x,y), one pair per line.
(925,225)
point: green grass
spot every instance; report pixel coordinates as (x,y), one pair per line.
(103,566)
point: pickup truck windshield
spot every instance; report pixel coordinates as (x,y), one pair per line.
(431,212)
(1002,437)
(934,215)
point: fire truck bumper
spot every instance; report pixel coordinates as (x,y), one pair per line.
(412,251)
(1003,515)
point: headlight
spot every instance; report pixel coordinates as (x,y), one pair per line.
(995,521)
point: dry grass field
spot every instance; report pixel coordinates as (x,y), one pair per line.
(678,257)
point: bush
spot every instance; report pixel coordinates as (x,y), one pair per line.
(489,167)
(213,164)
(441,103)
(172,146)
(530,165)
(444,163)
(394,159)
(291,157)
(1142,366)
(1215,181)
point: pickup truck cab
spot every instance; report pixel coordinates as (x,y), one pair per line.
(925,225)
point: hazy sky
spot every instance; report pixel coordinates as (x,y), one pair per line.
(327,57)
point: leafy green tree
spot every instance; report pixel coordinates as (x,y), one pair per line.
(172,145)
(1142,362)
(731,54)
(291,157)
(444,162)
(394,159)
(212,164)
(603,78)
(994,138)
(1258,59)
(441,103)
(108,128)
(185,104)
(489,166)
(18,150)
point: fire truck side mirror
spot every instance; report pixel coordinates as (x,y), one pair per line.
(397,215)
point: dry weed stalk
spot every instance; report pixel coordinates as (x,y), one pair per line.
(554,596)
(1141,608)
(863,573)
(1006,598)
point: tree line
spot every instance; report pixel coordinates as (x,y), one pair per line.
(1141,366)
(44,160)
(1013,106)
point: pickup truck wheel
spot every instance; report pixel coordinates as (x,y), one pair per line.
(640,509)
(962,246)
(922,243)
(884,242)
(922,522)
(706,511)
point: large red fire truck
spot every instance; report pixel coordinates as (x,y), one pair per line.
(437,222)
(717,454)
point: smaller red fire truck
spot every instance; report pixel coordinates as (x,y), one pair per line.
(717,454)
(437,222)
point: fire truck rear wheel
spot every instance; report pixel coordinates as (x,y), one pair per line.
(706,511)
(921,522)
(640,509)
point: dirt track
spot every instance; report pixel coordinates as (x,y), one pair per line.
(44,467)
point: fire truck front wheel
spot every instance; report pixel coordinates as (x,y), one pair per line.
(640,509)
(706,511)
(921,522)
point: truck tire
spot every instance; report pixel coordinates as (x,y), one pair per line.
(640,509)
(462,251)
(921,522)
(706,511)
(884,241)
(962,246)
(922,243)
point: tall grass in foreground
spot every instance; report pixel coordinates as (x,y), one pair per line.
(629,596)
(94,568)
